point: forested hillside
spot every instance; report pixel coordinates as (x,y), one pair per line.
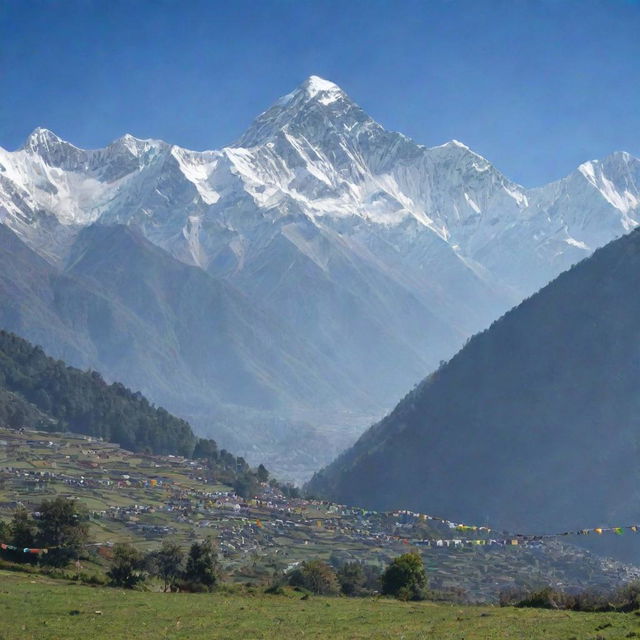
(534,425)
(36,390)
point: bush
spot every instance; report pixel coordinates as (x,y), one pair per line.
(625,599)
(202,567)
(548,598)
(275,589)
(126,566)
(315,576)
(189,586)
(405,578)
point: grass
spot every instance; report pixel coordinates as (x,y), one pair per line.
(35,607)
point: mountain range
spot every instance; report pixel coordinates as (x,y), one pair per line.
(284,291)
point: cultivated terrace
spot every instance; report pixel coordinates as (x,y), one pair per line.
(145,499)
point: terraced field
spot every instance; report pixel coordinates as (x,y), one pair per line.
(144,499)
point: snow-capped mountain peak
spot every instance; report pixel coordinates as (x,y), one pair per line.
(324,90)
(315,104)
(314,88)
(137,146)
(41,138)
(53,150)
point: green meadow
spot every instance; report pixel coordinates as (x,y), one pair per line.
(34,607)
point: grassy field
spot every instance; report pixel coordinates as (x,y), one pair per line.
(38,608)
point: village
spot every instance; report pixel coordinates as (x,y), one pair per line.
(144,498)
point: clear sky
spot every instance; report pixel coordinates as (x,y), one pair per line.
(537,87)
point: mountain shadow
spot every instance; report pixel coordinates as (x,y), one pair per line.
(533,426)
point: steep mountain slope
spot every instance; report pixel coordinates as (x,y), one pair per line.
(173,332)
(534,425)
(39,392)
(36,390)
(364,258)
(53,308)
(255,362)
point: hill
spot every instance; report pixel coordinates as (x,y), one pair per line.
(534,425)
(70,399)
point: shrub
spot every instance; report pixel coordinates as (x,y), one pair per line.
(317,577)
(625,599)
(126,566)
(202,567)
(548,598)
(405,578)
(275,589)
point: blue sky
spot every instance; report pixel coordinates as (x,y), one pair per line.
(535,86)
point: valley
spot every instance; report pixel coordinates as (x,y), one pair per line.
(319,319)
(284,292)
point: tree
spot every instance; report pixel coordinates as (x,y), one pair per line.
(202,565)
(206,449)
(263,474)
(242,464)
(316,576)
(5,532)
(22,529)
(126,566)
(290,491)
(372,578)
(62,528)
(168,563)
(246,485)
(405,578)
(351,578)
